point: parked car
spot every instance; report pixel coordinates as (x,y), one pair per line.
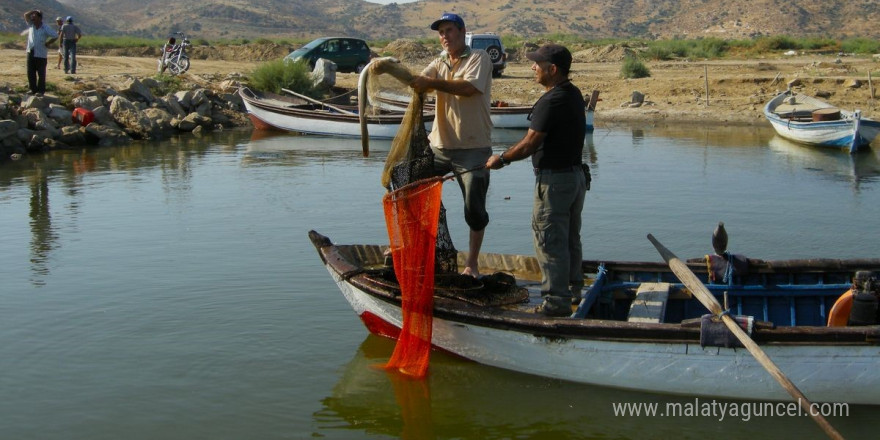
(491,43)
(349,54)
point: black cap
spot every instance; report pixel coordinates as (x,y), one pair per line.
(555,54)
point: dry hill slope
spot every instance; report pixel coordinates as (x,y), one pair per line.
(593,19)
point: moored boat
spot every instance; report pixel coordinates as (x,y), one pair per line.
(638,327)
(295,113)
(502,114)
(804,119)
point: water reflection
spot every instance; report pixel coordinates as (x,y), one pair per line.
(63,174)
(472,401)
(837,165)
(43,236)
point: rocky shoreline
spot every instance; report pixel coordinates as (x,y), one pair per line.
(129,110)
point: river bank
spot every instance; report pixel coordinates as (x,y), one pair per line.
(716,91)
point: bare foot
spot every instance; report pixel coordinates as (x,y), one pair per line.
(470,271)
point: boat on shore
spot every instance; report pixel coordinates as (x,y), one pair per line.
(301,114)
(807,120)
(638,327)
(502,114)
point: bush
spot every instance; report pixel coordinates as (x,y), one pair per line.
(275,75)
(634,68)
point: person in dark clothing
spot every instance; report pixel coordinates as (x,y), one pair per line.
(555,141)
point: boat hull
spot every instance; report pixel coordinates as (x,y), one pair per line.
(612,339)
(819,371)
(274,114)
(849,132)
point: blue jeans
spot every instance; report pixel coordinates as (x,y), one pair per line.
(556,223)
(69,56)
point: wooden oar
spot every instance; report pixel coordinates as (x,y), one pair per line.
(684,273)
(315,101)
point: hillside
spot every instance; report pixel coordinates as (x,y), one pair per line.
(595,19)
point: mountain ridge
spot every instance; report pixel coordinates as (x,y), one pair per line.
(596,19)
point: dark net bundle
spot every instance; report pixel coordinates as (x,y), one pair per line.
(411,159)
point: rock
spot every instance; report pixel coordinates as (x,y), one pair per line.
(88,102)
(136,89)
(324,74)
(133,121)
(72,135)
(794,83)
(184,99)
(60,114)
(853,83)
(38,120)
(8,128)
(107,136)
(37,102)
(160,119)
(637,97)
(824,94)
(103,117)
(174,106)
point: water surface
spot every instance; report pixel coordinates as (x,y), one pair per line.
(168,290)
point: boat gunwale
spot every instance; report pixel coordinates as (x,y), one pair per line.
(593,329)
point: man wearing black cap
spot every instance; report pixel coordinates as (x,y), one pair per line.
(460,137)
(555,141)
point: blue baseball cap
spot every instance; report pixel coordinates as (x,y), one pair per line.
(448,16)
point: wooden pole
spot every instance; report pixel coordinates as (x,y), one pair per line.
(706,68)
(684,273)
(870,84)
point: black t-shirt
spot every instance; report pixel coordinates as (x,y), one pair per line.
(560,114)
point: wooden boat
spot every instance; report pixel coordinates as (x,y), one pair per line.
(503,114)
(637,326)
(811,121)
(304,115)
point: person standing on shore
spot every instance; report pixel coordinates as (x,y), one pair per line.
(58,23)
(70,35)
(555,141)
(460,137)
(39,37)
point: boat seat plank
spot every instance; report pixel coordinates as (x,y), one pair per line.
(650,303)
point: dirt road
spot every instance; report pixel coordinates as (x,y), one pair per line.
(676,90)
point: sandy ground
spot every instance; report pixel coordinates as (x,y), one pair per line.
(675,92)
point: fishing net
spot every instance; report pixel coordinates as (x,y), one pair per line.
(411,216)
(416,224)
(410,158)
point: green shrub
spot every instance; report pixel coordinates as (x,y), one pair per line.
(275,75)
(167,84)
(861,45)
(634,68)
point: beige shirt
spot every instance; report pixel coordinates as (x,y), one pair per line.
(462,122)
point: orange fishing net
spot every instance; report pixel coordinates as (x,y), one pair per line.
(411,216)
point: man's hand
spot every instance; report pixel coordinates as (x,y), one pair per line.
(421,84)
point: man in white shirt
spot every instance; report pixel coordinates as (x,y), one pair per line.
(39,37)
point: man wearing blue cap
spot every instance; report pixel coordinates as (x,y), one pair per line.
(460,137)
(70,35)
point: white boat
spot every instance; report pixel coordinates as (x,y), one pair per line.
(299,114)
(624,335)
(807,120)
(502,114)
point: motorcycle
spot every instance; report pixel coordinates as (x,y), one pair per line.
(174,57)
